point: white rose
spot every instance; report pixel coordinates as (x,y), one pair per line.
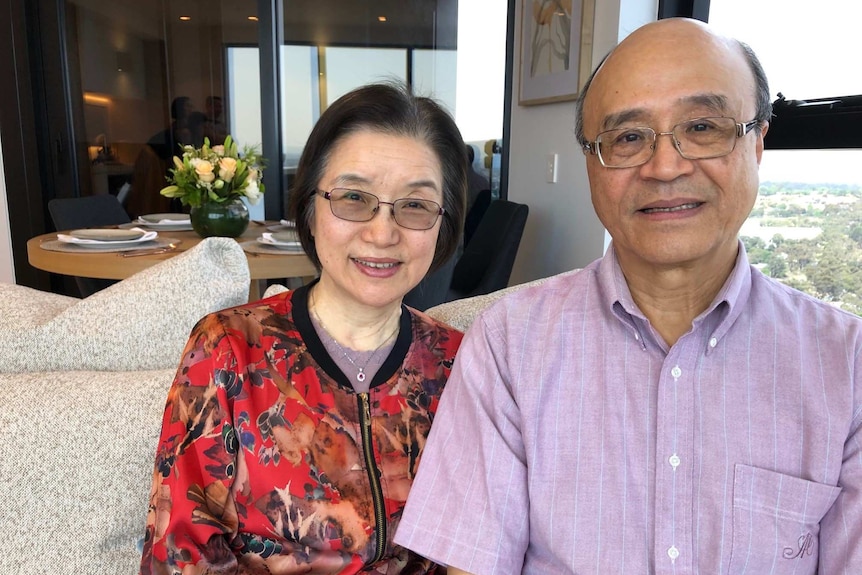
(252,192)
(218,150)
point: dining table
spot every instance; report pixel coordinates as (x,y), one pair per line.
(44,252)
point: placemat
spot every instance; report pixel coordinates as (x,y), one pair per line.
(58,246)
(255,247)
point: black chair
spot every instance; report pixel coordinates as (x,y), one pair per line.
(87,212)
(488,258)
(475,214)
(434,287)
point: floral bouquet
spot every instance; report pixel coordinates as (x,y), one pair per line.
(216,174)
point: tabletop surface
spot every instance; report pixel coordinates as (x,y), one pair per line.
(113,265)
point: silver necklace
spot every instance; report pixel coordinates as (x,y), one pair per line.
(360,376)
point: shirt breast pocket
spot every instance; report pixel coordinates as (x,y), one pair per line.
(776,521)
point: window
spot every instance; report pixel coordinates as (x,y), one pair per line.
(806,228)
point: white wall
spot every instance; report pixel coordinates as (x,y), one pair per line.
(7,270)
(562,230)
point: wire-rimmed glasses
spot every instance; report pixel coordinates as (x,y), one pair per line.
(359,206)
(697,139)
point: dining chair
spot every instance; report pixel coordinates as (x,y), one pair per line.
(87,212)
(488,258)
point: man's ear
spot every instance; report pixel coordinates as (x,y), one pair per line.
(761,134)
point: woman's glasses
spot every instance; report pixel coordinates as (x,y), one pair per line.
(359,206)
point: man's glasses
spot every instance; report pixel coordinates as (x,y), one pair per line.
(698,139)
(359,206)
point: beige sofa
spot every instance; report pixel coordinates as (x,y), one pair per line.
(83,385)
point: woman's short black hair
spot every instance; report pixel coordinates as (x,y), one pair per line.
(387,108)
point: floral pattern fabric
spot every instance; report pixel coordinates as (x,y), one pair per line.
(264,463)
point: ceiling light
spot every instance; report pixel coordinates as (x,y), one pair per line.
(381,18)
(185,18)
(253,18)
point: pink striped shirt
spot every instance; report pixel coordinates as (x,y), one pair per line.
(571,439)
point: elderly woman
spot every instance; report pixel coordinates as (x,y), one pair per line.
(295,424)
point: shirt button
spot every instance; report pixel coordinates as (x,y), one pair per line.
(676,372)
(673,553)
(713,342)
(674,460)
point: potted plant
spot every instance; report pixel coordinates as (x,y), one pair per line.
(212,180)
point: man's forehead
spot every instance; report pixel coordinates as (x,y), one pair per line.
(662,81)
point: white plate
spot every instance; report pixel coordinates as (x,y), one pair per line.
(178,227)
(165,222)
(281,226)
(267,239)
(103,244)
(172,218)
(107,234)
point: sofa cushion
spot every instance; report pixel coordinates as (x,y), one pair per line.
(23,308)
(274,289)
(141,322)
(460,313)
(76,467)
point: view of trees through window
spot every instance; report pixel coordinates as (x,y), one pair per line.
(806,227)
(809,236)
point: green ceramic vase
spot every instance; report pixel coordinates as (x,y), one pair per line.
(228,219)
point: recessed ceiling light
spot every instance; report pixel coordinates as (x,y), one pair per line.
(185,18)
(381,18)
(253,18)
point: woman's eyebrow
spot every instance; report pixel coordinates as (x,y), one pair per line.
(350,179)
(423,184)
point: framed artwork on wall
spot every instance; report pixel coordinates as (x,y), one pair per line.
(556,49)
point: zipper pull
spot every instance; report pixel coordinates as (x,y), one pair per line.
(366,407)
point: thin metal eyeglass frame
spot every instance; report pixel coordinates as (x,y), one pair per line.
(328,195)
(592,147)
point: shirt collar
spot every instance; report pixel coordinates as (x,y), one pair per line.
(721,313)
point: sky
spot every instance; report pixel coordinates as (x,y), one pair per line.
(804,58)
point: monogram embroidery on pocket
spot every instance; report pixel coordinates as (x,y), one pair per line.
(803,547)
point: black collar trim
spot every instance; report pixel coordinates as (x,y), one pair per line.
(393,363)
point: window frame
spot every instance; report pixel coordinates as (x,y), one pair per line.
(811,124)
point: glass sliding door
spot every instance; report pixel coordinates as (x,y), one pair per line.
(149,77)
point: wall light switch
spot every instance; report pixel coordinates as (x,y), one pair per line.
(551,168)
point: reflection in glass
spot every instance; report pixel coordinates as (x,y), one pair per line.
(149,77)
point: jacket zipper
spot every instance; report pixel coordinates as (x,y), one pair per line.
(373,477)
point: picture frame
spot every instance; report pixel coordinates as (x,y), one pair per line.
(556,49)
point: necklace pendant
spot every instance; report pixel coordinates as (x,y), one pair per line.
(360,377)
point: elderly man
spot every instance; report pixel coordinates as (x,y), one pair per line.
(668,409)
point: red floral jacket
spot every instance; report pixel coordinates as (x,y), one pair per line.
(270,462)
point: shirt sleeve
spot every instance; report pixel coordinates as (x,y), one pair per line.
(468,506)
(192,515)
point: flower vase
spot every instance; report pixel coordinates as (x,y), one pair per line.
(227,219)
